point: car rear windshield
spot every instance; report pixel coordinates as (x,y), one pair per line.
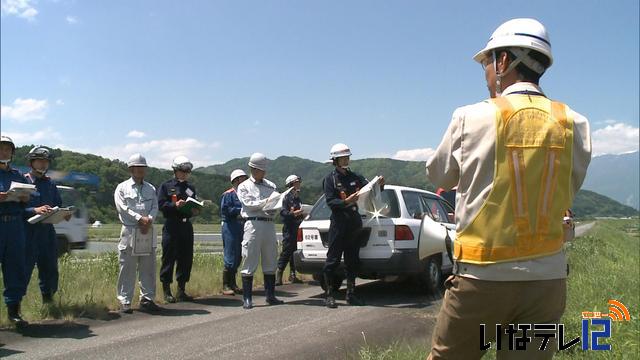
(321,210)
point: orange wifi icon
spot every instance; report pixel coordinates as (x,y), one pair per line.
(617,311)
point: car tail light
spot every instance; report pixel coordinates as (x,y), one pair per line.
(299,236)
(403,232)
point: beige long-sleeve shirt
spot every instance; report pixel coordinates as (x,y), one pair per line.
(466,158)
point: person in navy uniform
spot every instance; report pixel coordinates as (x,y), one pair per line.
(341,189)
(232,231)
(177,232)
(291,215)
(41,242)
(12,237)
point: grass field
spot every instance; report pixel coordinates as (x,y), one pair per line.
(605,264)
(112,231)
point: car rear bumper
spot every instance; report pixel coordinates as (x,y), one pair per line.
(401,262)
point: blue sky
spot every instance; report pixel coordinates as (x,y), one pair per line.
(216,80)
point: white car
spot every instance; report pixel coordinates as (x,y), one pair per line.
(72,234)
(408,239)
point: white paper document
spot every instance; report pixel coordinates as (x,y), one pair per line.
(17,190)
(369,198)
(142,243)
(56,215)
(275,200)
(306,209)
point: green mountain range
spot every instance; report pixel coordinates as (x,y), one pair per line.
(212,181)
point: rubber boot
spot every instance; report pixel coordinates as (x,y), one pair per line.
(352,299)
(226,289)
(270,290)
(247,289)
(329,300)
(182,295)
(293,278)
(232,283)
(168,297)
(279,277)
(13,311)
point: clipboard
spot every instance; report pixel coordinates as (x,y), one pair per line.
(142,244)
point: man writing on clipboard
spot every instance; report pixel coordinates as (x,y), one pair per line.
(137,206)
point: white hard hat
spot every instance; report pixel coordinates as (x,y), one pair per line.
(339,150)
(520,33)
(7,140)
(182,163)
(39,152)
(236,174)
(291,179)
(258,161)
(137,160)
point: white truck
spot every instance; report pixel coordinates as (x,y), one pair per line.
(72,234)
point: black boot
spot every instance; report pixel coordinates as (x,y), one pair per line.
(182,295)
(13,311)
(279,277)
(270,290)
(232,283)
(166,289)
(352,299)
(226,288)
(329,300)
(247,289)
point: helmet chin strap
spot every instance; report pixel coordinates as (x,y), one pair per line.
(40,171)
(521,56)
(5,161)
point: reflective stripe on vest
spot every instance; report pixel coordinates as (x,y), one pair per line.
(522,216)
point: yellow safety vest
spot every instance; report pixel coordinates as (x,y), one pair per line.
(522,216)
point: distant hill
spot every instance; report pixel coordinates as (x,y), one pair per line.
(212,181)
(616,176)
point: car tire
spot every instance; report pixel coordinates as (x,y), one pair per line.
(432,275)
(63,245)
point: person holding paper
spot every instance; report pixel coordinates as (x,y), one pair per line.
(177,232)
(341,189)
(137,207)
(292,215)
(230,207)
(259,239)
(41,242)
(12,237)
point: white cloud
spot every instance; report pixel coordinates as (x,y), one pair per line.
(71,19)
(136,134)
(160,153)
(59,102)
(43,137)
(414,154)
(616,138)
(24,110)
(19,8)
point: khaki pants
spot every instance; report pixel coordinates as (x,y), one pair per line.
(469,302)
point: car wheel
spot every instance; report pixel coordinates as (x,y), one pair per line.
(432,276)
(63,245)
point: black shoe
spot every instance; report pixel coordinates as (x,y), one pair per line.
(13,311)
(168,297)
(293,279)
(270,290)
(182,295)
(47,298)
(279,277)
(126,309)
(247,289)
(329,300)
(149,306)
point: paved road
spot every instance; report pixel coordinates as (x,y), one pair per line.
(583,228)
(218,328)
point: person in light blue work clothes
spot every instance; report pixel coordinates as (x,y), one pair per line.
(232,231)
(41,242)
(11,234)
